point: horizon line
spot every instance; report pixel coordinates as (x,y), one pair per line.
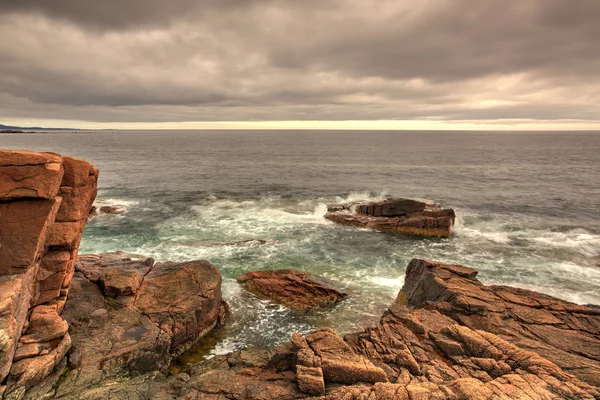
(339,125)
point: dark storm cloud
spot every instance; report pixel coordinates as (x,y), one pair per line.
(154,60)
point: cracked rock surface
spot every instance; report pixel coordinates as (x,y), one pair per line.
(447,336)
(129,315)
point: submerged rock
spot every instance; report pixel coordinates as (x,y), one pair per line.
(212,243)
(411,217)
(104,210)
(111,210)
(130,315)
(298,290)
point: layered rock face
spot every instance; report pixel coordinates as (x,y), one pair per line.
(298,290)
(447,336)
(407,216)
(44,203)
(566,334)
(130,315)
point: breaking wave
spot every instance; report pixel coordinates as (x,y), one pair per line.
(270,232)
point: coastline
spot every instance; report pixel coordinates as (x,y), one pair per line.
(446,334)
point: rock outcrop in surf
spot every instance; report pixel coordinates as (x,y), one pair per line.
(407,216)
(298,290)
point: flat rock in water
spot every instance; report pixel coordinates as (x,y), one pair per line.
(298,290)
(407,216)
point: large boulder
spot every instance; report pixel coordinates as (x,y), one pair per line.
(130,315)
(407,216)
(298,290)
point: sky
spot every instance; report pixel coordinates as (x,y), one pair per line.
(314,64)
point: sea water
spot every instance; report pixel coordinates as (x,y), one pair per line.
(527,203)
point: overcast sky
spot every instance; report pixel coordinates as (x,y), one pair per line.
(236,63)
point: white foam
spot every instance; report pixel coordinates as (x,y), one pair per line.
(362,196)
(388,282)
(586,243)
(115,201)
(489,235)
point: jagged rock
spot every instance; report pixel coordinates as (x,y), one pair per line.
(565,333)
(324,356)
(44,200)
(406,216)
(22,243)
(116,274)
(418,351)
(130,315)
(298,290)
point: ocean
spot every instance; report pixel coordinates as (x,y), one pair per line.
(528,207)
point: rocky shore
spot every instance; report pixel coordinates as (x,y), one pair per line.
(447,336)
(108,326)
(406,216)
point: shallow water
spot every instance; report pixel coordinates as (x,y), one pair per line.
(528,208)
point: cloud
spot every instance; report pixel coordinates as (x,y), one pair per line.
(157,61)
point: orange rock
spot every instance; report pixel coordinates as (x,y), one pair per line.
(66,235)
(298,290)
(78,172)
(25,174)
(24,227)
(35,225)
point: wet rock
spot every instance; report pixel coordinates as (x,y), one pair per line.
(95,211)
(111,210)
(212,243)
(401,215)
(298,290)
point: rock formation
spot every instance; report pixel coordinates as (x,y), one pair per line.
(407,216)
(564,333)
(447,336)
(298,290)
(44,203)
(129,315)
